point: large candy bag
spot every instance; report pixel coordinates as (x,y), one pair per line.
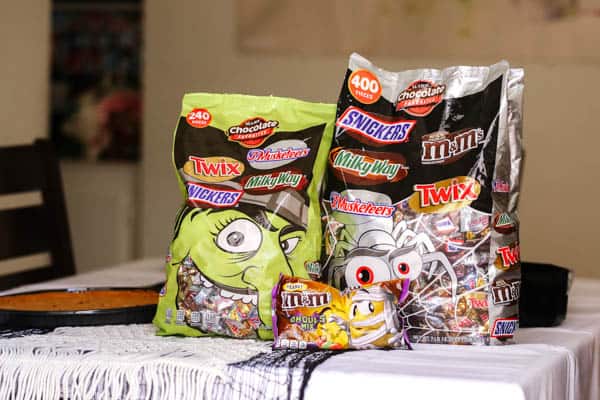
(312,315)
(250,171)
(423,185)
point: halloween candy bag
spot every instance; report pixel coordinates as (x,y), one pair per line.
(423,184)
(250,171)
(312,315)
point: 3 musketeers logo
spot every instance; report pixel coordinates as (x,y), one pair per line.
(252,132)
(357,206)
(420,98)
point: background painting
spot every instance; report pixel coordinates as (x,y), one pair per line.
(95,85)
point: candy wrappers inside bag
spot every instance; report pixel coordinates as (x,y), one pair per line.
(250,171)
(423,185)
(313,315)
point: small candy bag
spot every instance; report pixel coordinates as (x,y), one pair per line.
(313,315)
(250,171)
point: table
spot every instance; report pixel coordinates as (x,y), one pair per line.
(547,363)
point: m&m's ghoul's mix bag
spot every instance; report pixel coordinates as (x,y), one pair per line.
(423,185)
(250,171)
(312,315)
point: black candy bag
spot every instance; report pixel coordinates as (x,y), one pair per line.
(423,184)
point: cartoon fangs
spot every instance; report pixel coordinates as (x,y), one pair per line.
(241,251)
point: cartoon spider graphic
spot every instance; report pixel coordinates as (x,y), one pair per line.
(380,255)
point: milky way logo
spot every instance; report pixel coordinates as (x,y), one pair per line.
(275,181)
(252,132)
(363,167)
(420,98)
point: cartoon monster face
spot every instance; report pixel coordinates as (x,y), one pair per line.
(243,252)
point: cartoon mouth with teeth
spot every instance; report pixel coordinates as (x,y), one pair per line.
(234,255)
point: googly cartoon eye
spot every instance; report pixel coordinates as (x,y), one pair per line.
(240,236)
(362,308)
(363,270)
(407,266)
(288,245)
(364,275)
(366,307)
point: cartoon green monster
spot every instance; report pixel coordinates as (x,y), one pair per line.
(241,251)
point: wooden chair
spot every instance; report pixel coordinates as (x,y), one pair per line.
(35,243)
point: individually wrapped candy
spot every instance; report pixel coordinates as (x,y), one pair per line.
(313,315)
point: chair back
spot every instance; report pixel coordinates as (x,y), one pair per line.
(35,243)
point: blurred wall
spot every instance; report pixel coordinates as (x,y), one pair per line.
(24,70)
(101,202)
(100,198)
(191,46)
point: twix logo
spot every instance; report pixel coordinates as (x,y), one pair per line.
(291,300)
(216,166)
(444,147)
(432,195)
(508,256)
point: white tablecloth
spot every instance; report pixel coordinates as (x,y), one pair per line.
(561,363)
(547,364)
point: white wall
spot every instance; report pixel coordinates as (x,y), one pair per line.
(190,46)
(101,203)
(24,70)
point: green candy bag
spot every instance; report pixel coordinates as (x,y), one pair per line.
(250,170)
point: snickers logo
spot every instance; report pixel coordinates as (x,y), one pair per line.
(373,129)
(504,327)
(205,196)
